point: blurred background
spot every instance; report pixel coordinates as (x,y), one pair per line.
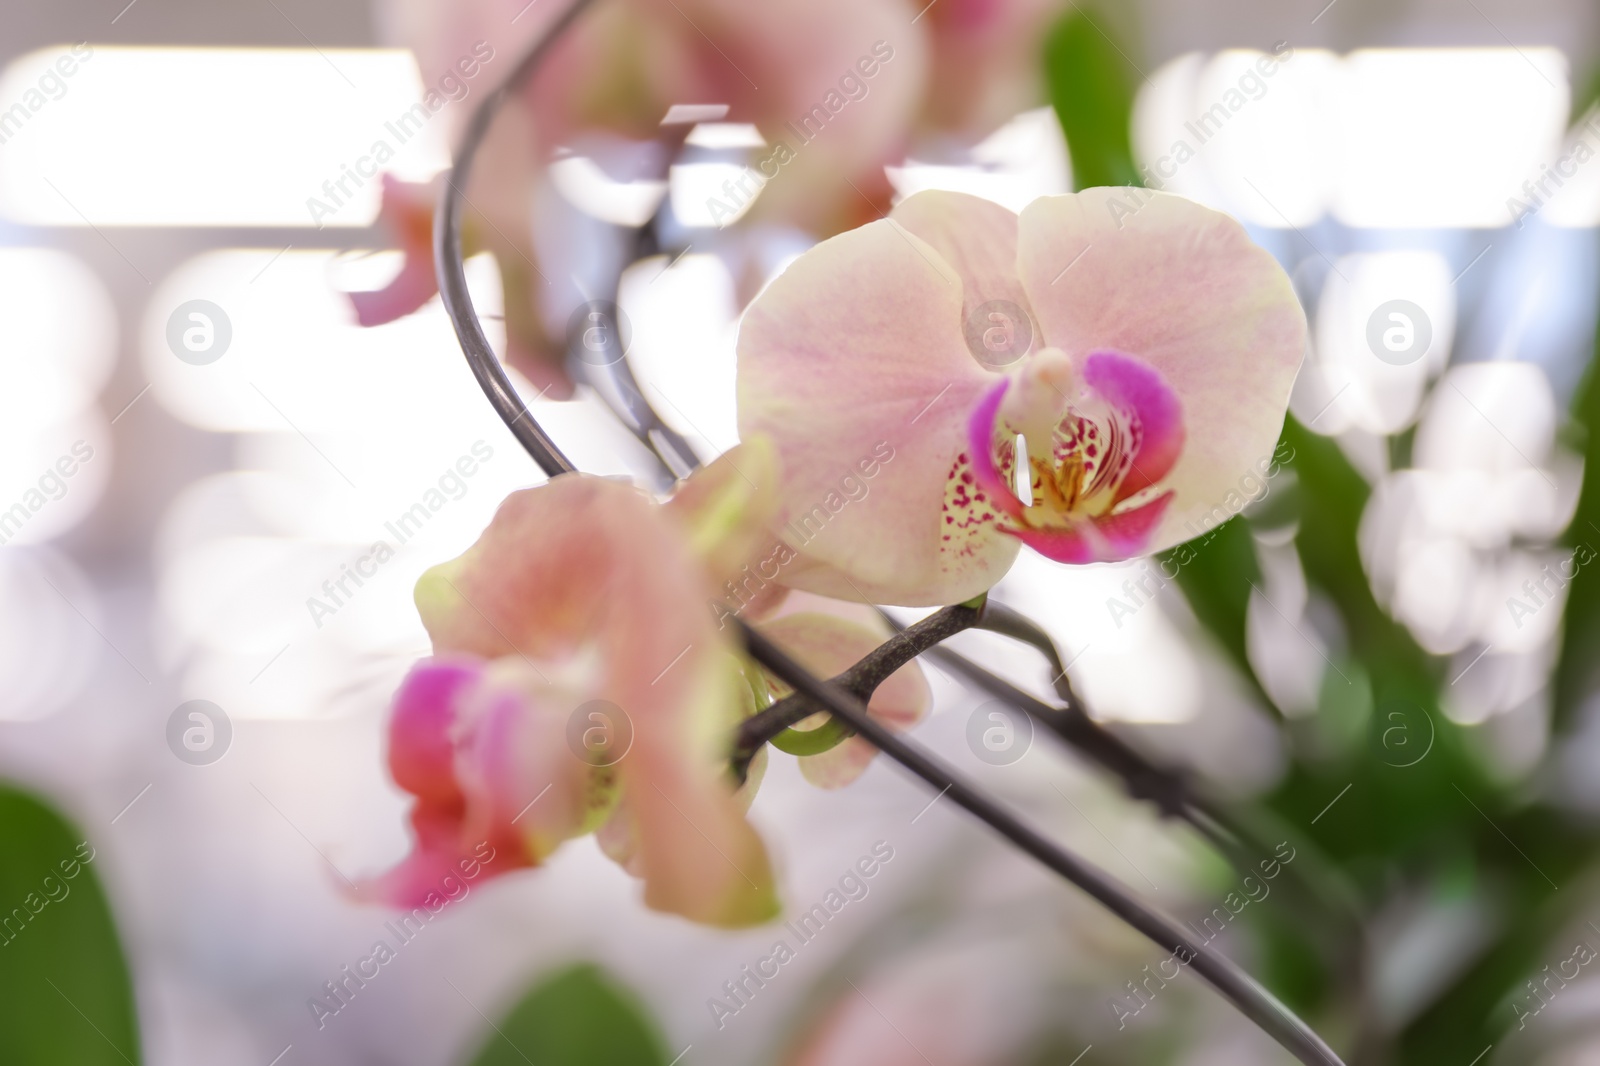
(1387,661)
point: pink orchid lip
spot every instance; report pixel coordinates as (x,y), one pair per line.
(1142,401)
(1100,539)
(425,759)
(421,757)
(980,442)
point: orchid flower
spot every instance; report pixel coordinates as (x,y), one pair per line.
(988,58)
(582,597)
(616,73)
(1135,363)
(586,606)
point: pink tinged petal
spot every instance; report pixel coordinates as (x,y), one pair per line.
(409,290)
(838,766)
(536,582)
(1183,290)
(828,644)
(726,507)
(852,361)
(985,53)
(697,854)
(668,670)
(978,239)
(1148,407)
(407,213)
(795,51)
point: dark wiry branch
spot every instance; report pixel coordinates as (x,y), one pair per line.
(1170,790)
(861,680)
(1242,834)
(1255,1002)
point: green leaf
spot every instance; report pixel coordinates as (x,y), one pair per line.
(1576,672)
(1412,803)
(1587,96)
(1215,573)
(1333,496)
(1091,81)
(1477,1007)
(577,1017)
(65,994)
(1396,809)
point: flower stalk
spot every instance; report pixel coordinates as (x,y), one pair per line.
(861,681)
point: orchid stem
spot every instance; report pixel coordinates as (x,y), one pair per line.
(619,389)
(451,268)
(1169,789)
(861,680)
(1238,987)
(1240,835)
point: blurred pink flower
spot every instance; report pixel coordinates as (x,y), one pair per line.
(988,55)
(625,63)
(937,1004)
(1145,355)
(583,595)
